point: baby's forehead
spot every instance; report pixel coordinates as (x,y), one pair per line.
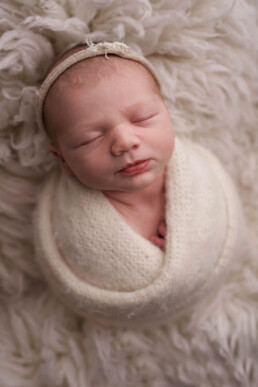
(91,71)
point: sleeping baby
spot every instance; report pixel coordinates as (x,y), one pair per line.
(137,224)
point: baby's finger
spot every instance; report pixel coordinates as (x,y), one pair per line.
(162,228)
(158,242)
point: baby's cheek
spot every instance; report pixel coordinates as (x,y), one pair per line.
(167,145)
(170,139)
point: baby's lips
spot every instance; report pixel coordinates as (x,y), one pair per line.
(131,164)
(138,166)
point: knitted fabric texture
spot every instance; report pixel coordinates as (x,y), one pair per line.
(99,49)
(105,270)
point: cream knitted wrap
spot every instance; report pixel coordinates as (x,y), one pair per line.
(103,269)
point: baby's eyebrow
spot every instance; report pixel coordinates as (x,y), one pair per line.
(78,133)
(137,105)
(84,125)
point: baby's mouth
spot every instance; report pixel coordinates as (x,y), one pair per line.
(137,166)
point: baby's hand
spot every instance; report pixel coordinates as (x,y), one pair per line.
(160,240)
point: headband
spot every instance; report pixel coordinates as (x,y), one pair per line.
(103,48)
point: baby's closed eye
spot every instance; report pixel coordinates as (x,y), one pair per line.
(143,118)
(89,141)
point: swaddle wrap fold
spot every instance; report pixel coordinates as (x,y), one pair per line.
(105,270)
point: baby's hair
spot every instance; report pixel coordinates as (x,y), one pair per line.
(97,68)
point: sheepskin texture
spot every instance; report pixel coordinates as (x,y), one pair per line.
(206,54)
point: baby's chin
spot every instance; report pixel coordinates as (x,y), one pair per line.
(127,188)
(123,191)
(126,184)
(132,186)
(118,189)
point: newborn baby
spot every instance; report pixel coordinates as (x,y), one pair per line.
(111,130)
(137,225)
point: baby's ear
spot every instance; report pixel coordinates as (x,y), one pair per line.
(54,150)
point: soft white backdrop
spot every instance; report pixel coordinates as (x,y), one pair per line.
(206,53)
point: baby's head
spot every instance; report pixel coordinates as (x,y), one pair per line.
(103,113)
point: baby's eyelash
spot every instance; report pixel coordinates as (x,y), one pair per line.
(145,118)
(89,141)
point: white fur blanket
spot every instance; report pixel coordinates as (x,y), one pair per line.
(206,54)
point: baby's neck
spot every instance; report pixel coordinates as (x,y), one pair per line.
(147,197)
(143,210)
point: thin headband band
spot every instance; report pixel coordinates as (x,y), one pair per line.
(99,49)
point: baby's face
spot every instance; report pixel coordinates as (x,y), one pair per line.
(103,127)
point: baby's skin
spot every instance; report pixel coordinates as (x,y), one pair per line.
(116,135)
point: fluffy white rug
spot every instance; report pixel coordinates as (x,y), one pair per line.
(206,54)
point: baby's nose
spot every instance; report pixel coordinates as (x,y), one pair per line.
(124,139)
